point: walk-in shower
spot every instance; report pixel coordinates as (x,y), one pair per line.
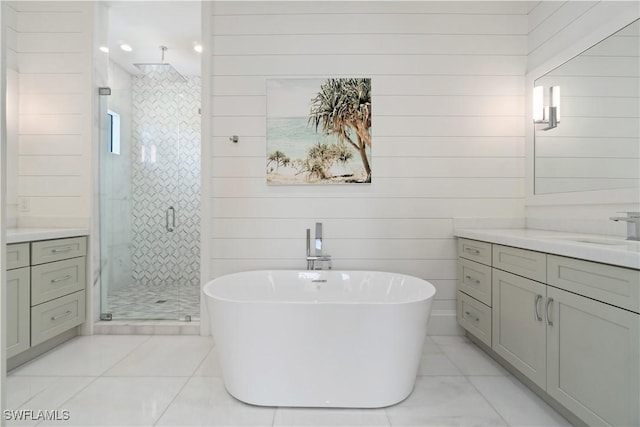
(149,196)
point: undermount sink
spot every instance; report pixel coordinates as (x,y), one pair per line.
(598,241)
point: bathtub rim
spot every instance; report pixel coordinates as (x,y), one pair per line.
(431,292)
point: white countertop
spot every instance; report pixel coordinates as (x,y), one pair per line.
(19,235)
(592,247)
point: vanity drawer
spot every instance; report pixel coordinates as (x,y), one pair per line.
(59,249)
(613,285)
(54,317)
(475,317)
(522,262)
(475,250)
(474,279)
(56,279)
(17,255)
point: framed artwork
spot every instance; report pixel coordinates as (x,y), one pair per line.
(318,131)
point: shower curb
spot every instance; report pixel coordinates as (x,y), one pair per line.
(146,327)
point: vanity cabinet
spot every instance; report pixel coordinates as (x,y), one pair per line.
(46,283)
(570,326)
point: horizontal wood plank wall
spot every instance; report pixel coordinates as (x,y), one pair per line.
(54,42)
(599,121)
(10,23)
(554,26)
(447,131)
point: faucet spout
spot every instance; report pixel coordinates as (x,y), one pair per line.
(633,224)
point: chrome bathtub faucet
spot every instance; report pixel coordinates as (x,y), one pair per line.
(316,261)
(633,224)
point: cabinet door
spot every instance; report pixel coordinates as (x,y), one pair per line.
(519,330)
(18,315)
(594,367)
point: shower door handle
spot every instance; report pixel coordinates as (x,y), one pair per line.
(170,219)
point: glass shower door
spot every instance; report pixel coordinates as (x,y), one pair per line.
(146,196)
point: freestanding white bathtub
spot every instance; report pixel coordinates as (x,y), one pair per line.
(319,338)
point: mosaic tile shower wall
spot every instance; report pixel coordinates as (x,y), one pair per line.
(165,172)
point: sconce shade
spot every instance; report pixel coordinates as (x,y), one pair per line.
(555,100)
(538,104)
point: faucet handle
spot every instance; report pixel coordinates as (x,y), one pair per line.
(318,242)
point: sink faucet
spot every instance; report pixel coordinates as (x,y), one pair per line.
(633,224)
(318,255)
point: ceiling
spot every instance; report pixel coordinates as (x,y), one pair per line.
(147,25)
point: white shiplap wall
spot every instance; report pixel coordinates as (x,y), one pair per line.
(448,135)
(558,31)
(12,103)
(55,63)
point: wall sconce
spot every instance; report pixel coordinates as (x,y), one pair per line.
(548,115)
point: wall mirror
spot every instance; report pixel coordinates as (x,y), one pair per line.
(596,143)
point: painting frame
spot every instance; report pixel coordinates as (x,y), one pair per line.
(318,131)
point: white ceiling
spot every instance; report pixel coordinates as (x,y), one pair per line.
(147,25)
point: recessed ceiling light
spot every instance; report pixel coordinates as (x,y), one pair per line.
(197,47)
(104,49)
(126,47)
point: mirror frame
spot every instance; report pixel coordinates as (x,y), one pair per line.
(610,196)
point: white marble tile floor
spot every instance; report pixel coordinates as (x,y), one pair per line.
(120,380)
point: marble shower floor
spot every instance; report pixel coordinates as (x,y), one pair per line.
(119,380)
(154,302)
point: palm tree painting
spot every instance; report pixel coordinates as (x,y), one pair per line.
(318,131)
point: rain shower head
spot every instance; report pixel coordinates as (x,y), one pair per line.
(161,69)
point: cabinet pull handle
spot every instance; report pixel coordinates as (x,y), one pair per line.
(62,316)
(549,302)
(536,304)
(468,314)
(472,251)
(476,281)
(61,279)
(59,250)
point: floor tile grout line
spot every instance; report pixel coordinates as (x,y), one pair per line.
(386,414)
(502,417)
(70,398)
(31,398)
(188,379)
(450,360)
(213,348)
(126,355)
